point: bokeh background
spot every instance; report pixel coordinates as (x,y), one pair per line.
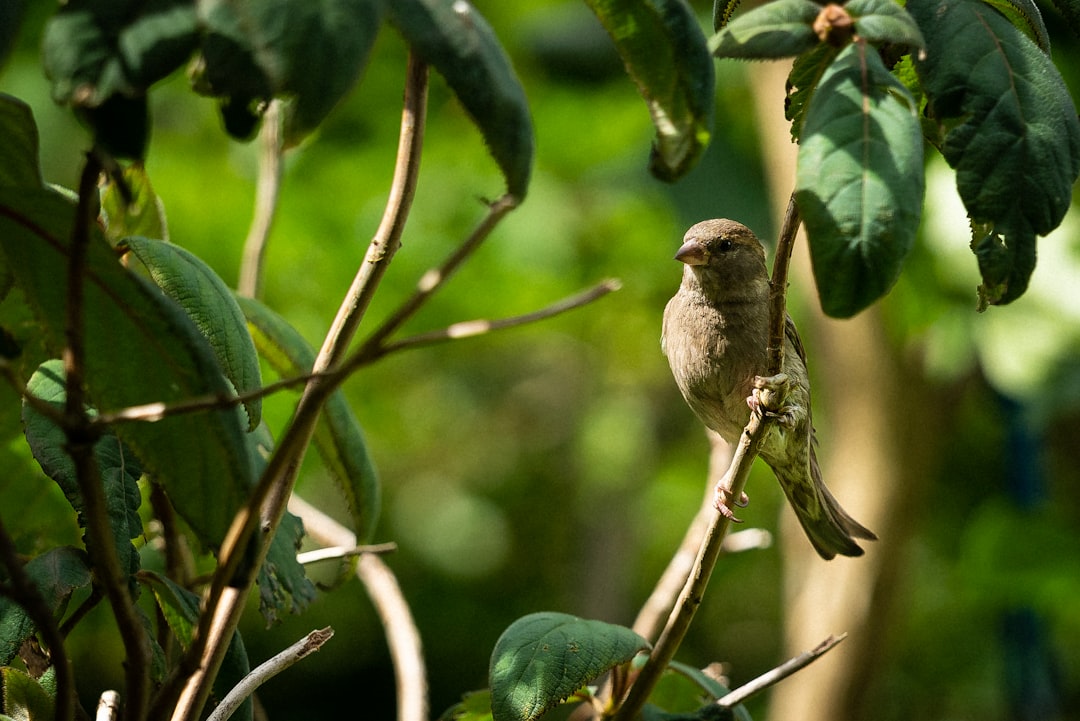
(555,467)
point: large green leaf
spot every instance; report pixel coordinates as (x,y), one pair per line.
(1010,130)
(210,304)
(57,573)
(666,54)
(24,698)
(311,52)
(141,213)
(452,37)
(140,348)
(338,436)
(859,183)
(119,469)
(19,151)
(884,21)
(543,658)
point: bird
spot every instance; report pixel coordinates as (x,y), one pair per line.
(715,333)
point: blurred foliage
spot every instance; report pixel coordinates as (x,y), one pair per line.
(556,466)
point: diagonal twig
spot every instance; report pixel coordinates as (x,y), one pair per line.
(771,678)
(266,199)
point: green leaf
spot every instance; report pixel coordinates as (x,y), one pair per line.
(118,467)
(474,706)
(1009,125)
(338,436)
(140,348)
(883,21)
(57,573)
(1025,16)
(24,698)
(543,658)
(722,12)
(1005,267)
(666,55)
(180,608)
(210,304)
(19,165)
(859,183)
(457,41)
(778,29)
(309,52)
(143,215)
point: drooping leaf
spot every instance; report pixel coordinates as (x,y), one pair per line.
(543,658)
(180,608)
(24,699)
(210,304)
(777,29)
(883,21)
(1010,129)
(103,56)
(19,152)
(118,467)
(144,215)
(667,56)
(1005,267)
(309,52)
(452,37)
(140,347)
(57,573)
(859,183)
(338,436)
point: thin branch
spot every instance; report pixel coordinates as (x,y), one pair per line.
(25,593)
(265,671)
(387,238)
(232,580)
(81,435)
(333,553)
(470,328)
(266,199)
(96,594)
(402,636)
(734,482)
(434,278)
(770,678)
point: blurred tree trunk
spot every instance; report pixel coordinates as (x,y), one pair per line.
(877,423)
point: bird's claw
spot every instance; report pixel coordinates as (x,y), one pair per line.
(724,502)
(768,395)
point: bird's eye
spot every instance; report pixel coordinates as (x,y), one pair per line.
(725,246)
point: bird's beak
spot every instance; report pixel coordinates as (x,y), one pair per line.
(692,253)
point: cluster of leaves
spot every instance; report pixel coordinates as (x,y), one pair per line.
(870,81)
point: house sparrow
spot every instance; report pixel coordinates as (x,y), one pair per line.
(715,333)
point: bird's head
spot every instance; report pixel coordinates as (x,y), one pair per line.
(725,257)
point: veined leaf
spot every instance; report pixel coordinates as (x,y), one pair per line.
(859,182)
(543,658)
(24,697)
(458,42)
(210,304)
(1010,130)
(144,215)
(883,21)
(140,348)
(803,81)
(338,436)
(777,29)
(1025,16)
(667,56)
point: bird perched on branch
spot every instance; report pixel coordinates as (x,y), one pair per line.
(716,329)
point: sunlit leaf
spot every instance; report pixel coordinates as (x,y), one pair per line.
(143,214)
(777,29)
(1010,130)
(883,21)
(543,658)
(859,182)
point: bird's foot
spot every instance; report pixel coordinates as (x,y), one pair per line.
(768,395)
(724,502)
